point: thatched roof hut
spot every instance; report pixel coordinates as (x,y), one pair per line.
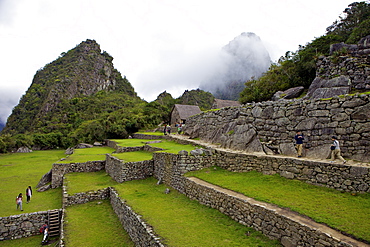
(180,113)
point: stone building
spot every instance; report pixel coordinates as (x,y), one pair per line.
(180,113)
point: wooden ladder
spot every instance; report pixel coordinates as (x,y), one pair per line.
(54,223)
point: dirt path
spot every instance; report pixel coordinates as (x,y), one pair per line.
(215,146)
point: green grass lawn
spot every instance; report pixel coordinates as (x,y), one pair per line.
(86,181)
(27,242)
(94,224)
(151,133)
(134,156)
(184,222)
(130,142)
(173,147)
(168,146)
(87,154)
(19,170)
(343,211)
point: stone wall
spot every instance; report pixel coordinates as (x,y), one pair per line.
(249,126)
(140,232)
(168,167)
(122,171)
(59,170)
(346,70)
(84,197)
(290,228)
(148,137)
(22,225)
(351,61)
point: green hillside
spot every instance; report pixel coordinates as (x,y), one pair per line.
(299,68)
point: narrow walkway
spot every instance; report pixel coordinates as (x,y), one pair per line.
(302,220)
(217,147)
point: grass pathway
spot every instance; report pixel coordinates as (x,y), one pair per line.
(346,212)
(94,224)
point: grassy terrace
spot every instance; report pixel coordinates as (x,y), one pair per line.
(168,146)
(94,224)
(87,154)
(191,224)
(19,170)
(180,221)
(344,211)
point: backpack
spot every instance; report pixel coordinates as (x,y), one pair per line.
(42,228)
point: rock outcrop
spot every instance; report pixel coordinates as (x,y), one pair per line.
(347,69)
(290,93)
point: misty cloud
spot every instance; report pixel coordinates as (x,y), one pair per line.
(9,97)
(243,58)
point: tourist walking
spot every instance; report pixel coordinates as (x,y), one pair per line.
(169,129)
(29,193)
(335,150)
(19,201)
(45,230)
(299,143)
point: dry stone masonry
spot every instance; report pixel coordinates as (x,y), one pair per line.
(249,126)
(141,233)
(122,171)
(290,228)
(22,225)
(59,170)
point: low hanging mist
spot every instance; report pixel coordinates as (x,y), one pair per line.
(243,58)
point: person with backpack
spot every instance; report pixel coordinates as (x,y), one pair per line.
(45,230)
(19,201)
(29,193)
(335,150)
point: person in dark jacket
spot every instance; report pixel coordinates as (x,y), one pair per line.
(29,193)
(299,143)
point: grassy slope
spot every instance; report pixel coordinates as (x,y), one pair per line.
(94,224)
(19,170)
(344,211)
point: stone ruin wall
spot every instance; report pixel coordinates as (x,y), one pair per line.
(141,233)
(351,61)
(249,126)
(169,167)
(122,171)
(22,225)
(59,170)
(290,231)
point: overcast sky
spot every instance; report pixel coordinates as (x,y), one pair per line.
(158,44)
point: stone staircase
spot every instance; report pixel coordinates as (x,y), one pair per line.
(54,223)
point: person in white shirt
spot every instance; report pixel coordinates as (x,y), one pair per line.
(335,150)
